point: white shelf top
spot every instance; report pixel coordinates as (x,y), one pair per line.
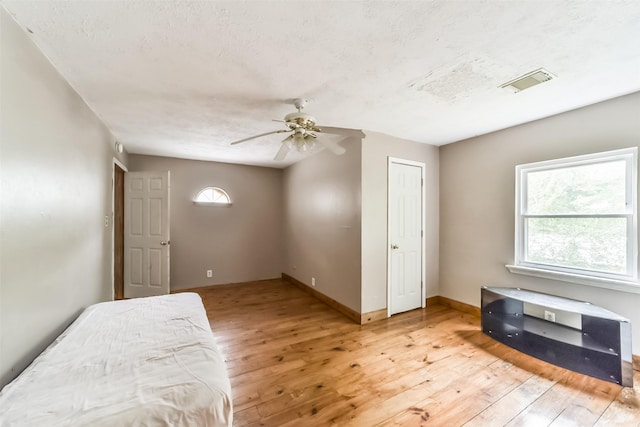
(559,303)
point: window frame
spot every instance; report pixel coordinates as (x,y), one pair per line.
(204,203)
(628,280)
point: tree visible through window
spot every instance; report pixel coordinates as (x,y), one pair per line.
(578,215)
(211,195)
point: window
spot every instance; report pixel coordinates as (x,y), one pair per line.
(577,216)
(212,196)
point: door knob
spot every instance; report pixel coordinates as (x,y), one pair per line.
(394,246)
(163,243)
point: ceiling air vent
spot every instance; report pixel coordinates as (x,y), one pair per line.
(528,80)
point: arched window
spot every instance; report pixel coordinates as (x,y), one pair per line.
(212,196)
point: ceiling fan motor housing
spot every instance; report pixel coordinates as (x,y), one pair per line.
(307,121)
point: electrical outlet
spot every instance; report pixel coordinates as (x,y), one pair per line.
(106,221)
(209,273)
(550,316)
(313,282)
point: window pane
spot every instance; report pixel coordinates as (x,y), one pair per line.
(205,195)
(586,189)
(586,243)
(220,196)
(213,195)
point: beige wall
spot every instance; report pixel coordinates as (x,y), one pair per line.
(322,223)
(376,148)
(477,187)
(239,243)
(55,172)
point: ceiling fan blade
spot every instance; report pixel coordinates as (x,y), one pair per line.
(341,131)
(284,149)
(287,140)
(332,146)
(258,136)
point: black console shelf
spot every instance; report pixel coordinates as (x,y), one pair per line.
(598,344)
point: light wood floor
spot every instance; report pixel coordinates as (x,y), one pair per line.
(294,361)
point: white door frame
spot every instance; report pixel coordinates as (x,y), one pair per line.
(422,167)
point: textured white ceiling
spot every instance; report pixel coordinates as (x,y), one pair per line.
(185,78)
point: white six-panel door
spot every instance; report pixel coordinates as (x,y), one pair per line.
(146,234)
(405,236)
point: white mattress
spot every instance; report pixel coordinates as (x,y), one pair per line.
(144,362)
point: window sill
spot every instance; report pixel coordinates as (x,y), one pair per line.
(222,205)
(618,285)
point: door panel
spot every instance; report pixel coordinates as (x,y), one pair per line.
(155,264)
(155,217)
(147,244)
(405,235)
(135,266)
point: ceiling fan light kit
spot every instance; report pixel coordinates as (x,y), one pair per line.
(304,133)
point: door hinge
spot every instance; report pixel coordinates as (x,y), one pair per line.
(421,233)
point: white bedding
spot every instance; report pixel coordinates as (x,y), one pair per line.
(144,362)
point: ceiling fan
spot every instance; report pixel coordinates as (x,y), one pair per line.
(303,133)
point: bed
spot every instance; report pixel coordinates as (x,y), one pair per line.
(146,361)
